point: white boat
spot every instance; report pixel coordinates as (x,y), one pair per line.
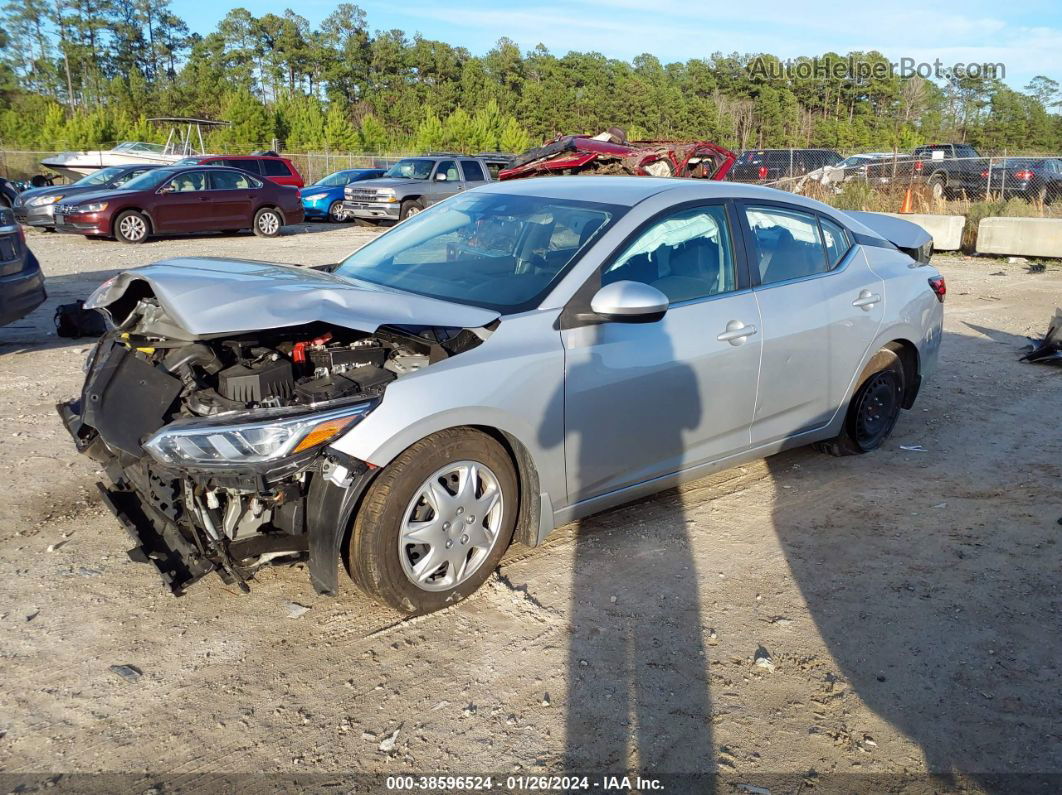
(185,139)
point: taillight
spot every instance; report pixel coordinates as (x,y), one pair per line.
(298,194)
(918,165)
(1024,175)
(984,175)
(763,172)
(939,288)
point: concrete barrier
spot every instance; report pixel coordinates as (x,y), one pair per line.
(946,230)
(1029,237)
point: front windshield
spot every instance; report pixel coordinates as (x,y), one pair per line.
(336,180)
(101,177)
(150,179)
(490,250)
(139,146)
(411,168)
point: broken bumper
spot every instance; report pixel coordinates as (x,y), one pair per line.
(154,505)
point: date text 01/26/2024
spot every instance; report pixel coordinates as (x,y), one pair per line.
(528,783)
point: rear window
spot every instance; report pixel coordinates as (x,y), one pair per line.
(275,168)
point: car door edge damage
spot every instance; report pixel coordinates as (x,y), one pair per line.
(308,425)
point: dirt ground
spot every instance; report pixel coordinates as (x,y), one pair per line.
(908,602)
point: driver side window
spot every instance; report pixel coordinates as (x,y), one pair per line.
(687,255)
(449,169)
(188,182)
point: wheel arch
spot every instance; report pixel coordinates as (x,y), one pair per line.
(907,352)
(147,216)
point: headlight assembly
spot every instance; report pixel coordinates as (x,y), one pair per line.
(214,443)
(91,207)
(314,197)
(42,201)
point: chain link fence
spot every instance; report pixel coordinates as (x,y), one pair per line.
(945,180)
(926,180)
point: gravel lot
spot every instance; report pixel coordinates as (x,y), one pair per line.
(909,602)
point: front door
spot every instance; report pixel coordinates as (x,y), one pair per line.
(445,182)
(183,203)
(644,400)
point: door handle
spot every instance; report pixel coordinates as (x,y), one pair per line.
(866,300)
(736,333)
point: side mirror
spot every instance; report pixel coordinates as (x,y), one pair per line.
(440,177)
(629,302)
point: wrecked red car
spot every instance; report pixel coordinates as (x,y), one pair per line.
(611,153)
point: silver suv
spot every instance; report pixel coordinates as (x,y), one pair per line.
(413,184)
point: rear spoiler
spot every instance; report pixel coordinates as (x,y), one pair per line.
(908,237)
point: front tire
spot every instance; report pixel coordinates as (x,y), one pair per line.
(336,213)
(131,227)
(435,522)
(410,207)
(267,222)
(874,409)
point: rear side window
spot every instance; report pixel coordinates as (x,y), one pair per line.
(250,164)
(788,244)
(232,180)
(836,240)
(275,168)
(473,171)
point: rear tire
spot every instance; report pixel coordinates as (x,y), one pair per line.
(382,560)
(874,408)
(410,207)
(267,222)
(131,227)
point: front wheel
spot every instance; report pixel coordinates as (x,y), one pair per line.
(938,186)
(874,409)
(435,522)
(410,207)
(336,213)
(267,222)
(131,227)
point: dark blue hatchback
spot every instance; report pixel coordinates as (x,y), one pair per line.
(324,199)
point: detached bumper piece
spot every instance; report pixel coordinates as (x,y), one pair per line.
(178,561)
(1049,349)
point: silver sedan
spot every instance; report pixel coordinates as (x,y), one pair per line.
(516,357)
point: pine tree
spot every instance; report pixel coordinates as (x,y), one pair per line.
(430,135)
(514,138)
(372,136)
(339,133)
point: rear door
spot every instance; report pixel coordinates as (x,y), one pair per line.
(821,307)
(184,204)
(278,171)
(232,198)
(787,259)
(474,173)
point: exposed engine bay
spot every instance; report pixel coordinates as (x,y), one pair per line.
(215,445)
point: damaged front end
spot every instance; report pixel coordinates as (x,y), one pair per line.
(611,153)
(215,446)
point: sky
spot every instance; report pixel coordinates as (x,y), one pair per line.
(1024,35)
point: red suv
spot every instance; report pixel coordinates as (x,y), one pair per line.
(264,164)
(182,199)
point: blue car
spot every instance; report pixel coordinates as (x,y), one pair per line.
(324,199)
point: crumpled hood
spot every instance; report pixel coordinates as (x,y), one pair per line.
(209,296)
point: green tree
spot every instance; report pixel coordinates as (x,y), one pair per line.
(339,133)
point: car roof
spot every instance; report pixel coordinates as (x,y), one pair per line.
(629,191)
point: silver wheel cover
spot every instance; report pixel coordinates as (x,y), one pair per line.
(268,222)
(451,525)
(132,227)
